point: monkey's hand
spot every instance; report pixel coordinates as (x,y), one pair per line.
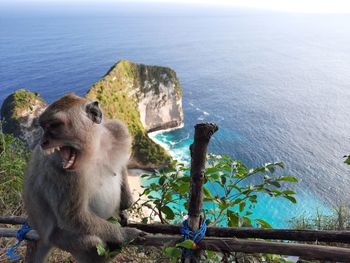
(130,234)
(123,218)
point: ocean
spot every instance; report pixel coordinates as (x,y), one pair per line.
(277,84)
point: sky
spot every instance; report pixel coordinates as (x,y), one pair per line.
(298,6)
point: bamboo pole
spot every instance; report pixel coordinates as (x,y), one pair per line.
(314,252)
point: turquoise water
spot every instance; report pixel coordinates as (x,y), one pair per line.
(277,211)
(278,85)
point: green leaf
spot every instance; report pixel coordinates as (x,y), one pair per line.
(288,179)
(223,206)
(211,170)
(172,252)
(184,188)
(347,160)
(186,244)
(101,251)
(263,223)
(289,192)
(162,180)
(223,179)
(241,207)
(146,191)
(233,218)
(113,220)
(247,221)
(207,192)
(211,253)
(112,254)
(168,212)
(291,198)
(275,183)
(280,164)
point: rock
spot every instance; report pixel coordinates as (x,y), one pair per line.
(19,114)
(146,98)
(159,97)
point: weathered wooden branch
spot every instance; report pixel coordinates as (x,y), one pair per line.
(199,149)
(260,233)
(11,232)
(12,220)
(235,245)
(276,234)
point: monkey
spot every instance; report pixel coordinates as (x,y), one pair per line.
(76,179)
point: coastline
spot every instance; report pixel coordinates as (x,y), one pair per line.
(153,135)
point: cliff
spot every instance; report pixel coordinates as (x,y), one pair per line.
(19,113)
(146,98)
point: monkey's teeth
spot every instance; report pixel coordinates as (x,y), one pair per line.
(51,150)
(70,162)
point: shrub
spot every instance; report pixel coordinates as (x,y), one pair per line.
(13,159)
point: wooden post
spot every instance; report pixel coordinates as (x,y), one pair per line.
(202,135)
(30,251)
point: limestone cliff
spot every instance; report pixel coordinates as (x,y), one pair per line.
(147,98)
(159,98)
(19,114)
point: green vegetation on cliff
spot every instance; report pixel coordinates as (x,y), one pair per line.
(13,160)
(23,101)
(118,97)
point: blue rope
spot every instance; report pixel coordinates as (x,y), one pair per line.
(11,252)
(196,236)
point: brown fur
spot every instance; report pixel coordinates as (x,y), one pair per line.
(69,208)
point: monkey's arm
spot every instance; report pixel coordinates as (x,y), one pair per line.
(78,218)
(72,241)
(126,199)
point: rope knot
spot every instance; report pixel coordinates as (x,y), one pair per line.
(21,233)
(196,236)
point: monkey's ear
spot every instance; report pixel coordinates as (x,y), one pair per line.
(94,112)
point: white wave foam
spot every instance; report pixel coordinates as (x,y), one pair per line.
(166,130)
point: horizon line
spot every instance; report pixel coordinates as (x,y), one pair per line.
(288,6)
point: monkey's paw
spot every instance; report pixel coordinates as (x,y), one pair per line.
(131,234)
(123,218)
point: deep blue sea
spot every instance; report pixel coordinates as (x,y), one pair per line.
(277,84)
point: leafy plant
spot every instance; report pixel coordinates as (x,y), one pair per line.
(231,190)
(338,219)
(13,159)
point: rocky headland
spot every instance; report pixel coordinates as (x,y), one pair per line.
(146,98)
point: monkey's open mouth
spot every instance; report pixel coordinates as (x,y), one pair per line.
(68,154)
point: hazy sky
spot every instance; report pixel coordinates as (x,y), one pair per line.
(304,6)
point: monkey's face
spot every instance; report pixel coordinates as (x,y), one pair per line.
(68,130)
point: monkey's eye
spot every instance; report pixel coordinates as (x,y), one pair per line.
(94,112)
(55,125)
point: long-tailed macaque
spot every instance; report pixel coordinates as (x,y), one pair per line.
(76,179)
